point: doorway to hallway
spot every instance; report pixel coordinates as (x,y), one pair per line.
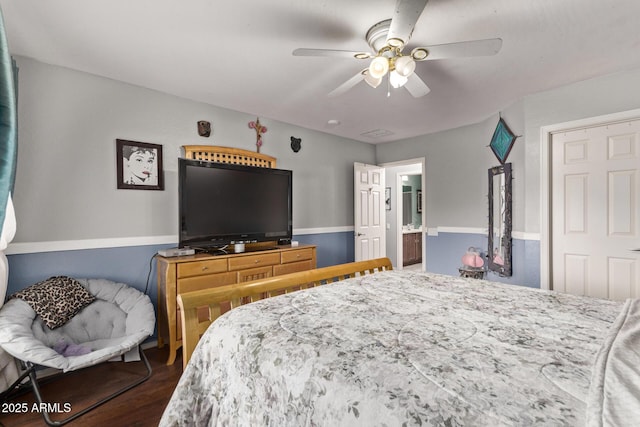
(405,214)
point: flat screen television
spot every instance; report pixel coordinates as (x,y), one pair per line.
(222,204)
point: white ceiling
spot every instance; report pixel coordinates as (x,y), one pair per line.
(237,54)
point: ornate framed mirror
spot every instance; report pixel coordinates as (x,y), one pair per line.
(499,251)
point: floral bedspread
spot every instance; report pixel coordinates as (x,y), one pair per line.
(397,349)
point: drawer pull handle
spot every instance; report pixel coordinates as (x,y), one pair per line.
(257,261)
(205,268)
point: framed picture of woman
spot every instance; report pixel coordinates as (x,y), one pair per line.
(139,165)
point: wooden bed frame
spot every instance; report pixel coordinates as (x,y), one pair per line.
(213,300)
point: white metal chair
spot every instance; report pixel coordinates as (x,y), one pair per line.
(116,323)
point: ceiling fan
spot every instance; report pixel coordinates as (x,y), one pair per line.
(387,39)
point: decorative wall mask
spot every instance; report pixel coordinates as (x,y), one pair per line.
(259,131)
(296,144)
(204,128)
(502,141)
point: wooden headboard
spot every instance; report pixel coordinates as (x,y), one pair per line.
(230,155)
(191,303)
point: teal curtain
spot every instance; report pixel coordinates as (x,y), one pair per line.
(8,123)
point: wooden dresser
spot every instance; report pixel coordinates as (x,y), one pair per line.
(202,271)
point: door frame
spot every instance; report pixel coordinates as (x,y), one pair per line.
(398,190)
(546,190)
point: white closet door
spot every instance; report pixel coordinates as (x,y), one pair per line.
(595,211)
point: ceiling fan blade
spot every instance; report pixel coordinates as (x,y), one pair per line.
(486,47)
(348,84)
(416,86)
(404,19)
(331,53)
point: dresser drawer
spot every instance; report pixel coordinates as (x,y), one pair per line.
(207,281)
(297,255)
(293,267)
(251,261)
(200,268)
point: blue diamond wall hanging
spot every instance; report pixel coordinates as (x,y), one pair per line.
(502,141)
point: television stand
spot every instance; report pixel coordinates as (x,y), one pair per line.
(204,270)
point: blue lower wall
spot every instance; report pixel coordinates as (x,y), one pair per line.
(136,267)
(444,254)
(132,265)
(333,248)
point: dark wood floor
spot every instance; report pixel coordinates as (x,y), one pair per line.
(140,406)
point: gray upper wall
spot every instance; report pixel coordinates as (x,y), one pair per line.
(456,164)
(457,160)
(590,98)
(66,174)
(69,120)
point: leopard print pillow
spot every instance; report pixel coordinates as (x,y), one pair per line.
(56,300)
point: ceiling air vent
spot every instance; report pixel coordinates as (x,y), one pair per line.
(377,133)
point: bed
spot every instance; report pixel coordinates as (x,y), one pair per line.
(399,348)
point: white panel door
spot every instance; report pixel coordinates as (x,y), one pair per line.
(595,211)
(369,212)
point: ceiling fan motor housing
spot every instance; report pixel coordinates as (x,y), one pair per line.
(377,35)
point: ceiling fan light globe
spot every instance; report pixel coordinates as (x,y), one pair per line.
(379,67)
(405,66)
(372,81)
(397,80)
(395,42)
(362,55)
(419,53)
